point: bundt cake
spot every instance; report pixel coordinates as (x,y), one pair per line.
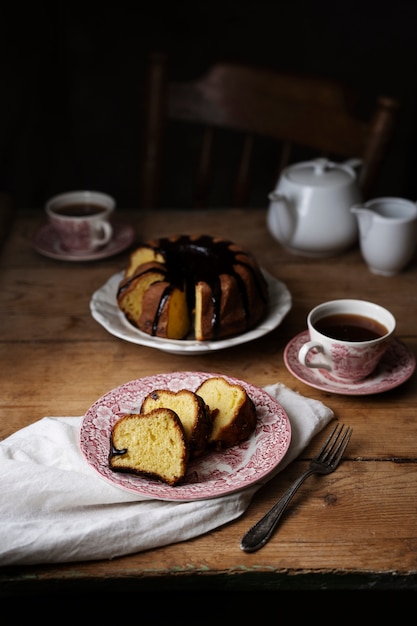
(192,411)
(233,411)
(150,444)
(177,286)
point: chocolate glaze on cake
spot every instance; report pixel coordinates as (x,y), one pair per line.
(189,261)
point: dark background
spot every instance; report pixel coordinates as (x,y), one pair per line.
(72,78)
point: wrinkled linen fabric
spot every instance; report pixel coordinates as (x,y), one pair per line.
(54,508)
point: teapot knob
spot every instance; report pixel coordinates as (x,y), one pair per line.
(320,166)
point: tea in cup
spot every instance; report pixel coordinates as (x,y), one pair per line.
(347,338)
(387,233)
(81,219)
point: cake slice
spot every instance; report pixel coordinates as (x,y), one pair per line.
(152,304)
(192,411)
(233,412)
(150,444)
(131,289)
(139,257)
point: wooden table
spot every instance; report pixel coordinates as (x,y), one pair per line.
(354,529)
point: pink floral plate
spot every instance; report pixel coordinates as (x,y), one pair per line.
(214,474)
(396,366)
(46,242)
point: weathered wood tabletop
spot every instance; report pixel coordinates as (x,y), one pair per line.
(354,529)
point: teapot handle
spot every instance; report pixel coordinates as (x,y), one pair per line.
(355,163)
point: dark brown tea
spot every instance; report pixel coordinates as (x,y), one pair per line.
(80,209)
(350,327)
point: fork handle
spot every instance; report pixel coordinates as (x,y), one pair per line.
(261,532)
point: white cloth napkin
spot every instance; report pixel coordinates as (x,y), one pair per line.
(55,509)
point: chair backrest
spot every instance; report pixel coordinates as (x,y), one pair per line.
(295,112)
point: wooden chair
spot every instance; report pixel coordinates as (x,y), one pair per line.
(251,104)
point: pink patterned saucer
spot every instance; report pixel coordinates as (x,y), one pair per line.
(46,242)
(396,366)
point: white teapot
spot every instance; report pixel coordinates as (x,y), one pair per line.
(309,211)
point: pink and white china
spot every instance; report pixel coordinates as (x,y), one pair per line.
(212,475)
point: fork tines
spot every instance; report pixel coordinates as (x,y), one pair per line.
(335,451)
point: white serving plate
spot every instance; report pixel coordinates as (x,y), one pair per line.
(105,311)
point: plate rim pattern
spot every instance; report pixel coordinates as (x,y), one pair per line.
(214,474)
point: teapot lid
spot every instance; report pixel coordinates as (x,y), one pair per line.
(320,173)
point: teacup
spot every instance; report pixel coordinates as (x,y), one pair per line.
(388,233)
(81,219)
(347,337)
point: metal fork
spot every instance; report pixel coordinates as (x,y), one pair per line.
(325,462)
